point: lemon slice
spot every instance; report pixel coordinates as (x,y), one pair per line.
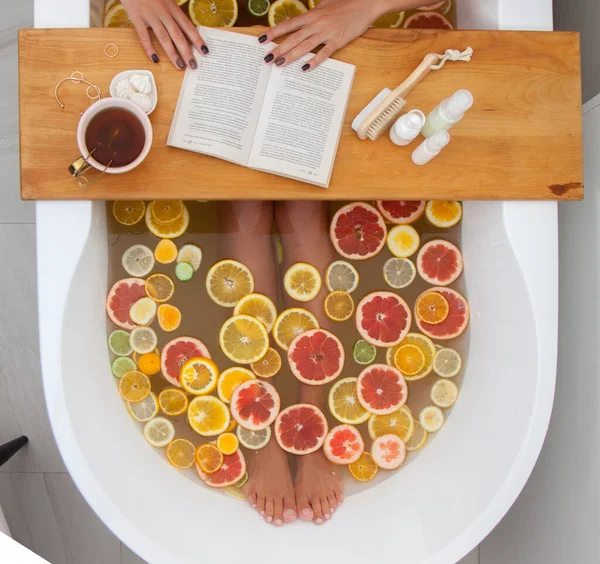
(344,404)
(243,339)
(165,252)
(143,340)
(400,423)
(339,306)
(228,281)
(143,311)
(291,323)
(199,376)
(392,20)
(399,272)
(284,10)
(227,443)
(268,365)
(302,282)
(117,17)
(208,416)
(181,453)
(213,13)
(230,379)
(144,410)
(134,386)
(432,418)
(444,393)
(341,275)
(403,241)
(159,432)
(254,440)
(172,401)
(418,439)
(313,3)
(138,261)
(447,363)
(259,306)
(192,254)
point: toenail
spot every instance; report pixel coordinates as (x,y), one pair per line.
(278,523)
(327,516)
(269,519)
(262,512)
(319,521)
(332,509)
(254,505)
(305,512)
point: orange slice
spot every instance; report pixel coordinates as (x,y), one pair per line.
(213,13)
(166,211)
(282,10)
(228,281)
(134,386)
(364,469)
(172,401)
(228,443)
(149,363)
(291,323)
(243,339)
(209,458)
(169,317)
(399,423)
(409,359)
(117,17)
(170,230)
(129,213)
(427,348)
(268,365)
(230,379)
(181,453)
(392,20)
(259,306)
(166,251)
(443,213)
(432,308)
(199,376)
(208,416)
(339,306)
(160,287)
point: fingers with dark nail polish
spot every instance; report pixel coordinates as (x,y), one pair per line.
(305,67)
(262,38)
(180,63)
(269,58)
(193,64)
(155,58)
(280,61)
(204,49)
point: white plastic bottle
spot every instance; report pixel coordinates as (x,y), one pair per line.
(448,113)
(407,127)
(430,148)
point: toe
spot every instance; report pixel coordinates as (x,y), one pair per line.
(332,502)
(305,511)
(339,496)
(260,504)
(326,510)
(278,512)
(269,510)
(289,509)
(252,499)
(315,502)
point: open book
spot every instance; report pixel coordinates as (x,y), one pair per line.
(278,120)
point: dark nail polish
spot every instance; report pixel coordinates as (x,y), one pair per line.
(180,63)
(269,58)
(305,67)
(155,58)
(279,61)
(193,64)
(262,38)
(204,49)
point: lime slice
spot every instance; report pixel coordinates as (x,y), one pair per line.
(364,353)
(447,363)
(191,254)
(138,261)
(121,365)
(258,8)
(242,482)
(184,271)
(119,342)
(143,340)
(399,272)
(143,410)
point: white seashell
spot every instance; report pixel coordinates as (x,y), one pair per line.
(141,83)
(123,89)
(142,100)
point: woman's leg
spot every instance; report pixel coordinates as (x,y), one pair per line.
(246,229)
(303,228)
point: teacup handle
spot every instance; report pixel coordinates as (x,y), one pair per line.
(80,165)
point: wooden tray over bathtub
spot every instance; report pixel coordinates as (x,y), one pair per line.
(521,140)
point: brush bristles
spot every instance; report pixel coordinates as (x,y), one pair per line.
(385,119)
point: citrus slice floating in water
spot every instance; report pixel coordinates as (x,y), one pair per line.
(259,8)
(165,252)
(254,440)
(316,357)
(243,339)
(339,306)
(149,363)
(199,376)
(344,404)
(399,272)
(401,212)
(268,365)
(358,231)
(122,295)
(209,458)
(343,445)
(381,389)
(160,287)
(439,262)
(143,311)
(456,322)
(230,379)
(383,318)
(227,443)
(128,213)
(143,410)
(403,241)
(138,261)
(392,20)
(301,429)
(231,472)
(418,439)
(282,10)
(134,386)
(292,322)
(427,348)
(255,404)
(192,254)
(184,271)
(447,363)
(143,340)
(363,352)
(432,418)
(213,13)
(159,432)
(444,393)
(170,230)
(259,306)
(208,416)
(117,17)
(364,469)
(181,453)
(388,452)
(122,365)
(443,213)
(432,308)
(409,359)
(169,317)
(166,211)
(176,353)
(341,275)
(173,402)
(302,282)
(119,342)
(399,423)
(228,281)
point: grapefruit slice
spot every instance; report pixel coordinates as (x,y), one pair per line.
(301,429)
(381,389)
(388,452)
(121,297)
(401,212)
(383,318)
(456,321)
(232,471)
(176,353)
(316,357)
(428,20)
(255,405)
(358,231)
(439,262)
(343,445)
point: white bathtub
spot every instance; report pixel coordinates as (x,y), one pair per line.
(435,510)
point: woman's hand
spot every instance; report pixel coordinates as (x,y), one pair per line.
(333,23)
(171,27)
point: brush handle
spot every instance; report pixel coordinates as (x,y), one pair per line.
(416,76)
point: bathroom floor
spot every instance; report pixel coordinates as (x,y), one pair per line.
(42,506)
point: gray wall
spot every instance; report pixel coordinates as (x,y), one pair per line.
(583,16)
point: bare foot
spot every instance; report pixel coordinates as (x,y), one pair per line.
(269,487)
(318,487)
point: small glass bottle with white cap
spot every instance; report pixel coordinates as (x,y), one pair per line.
(448,113)
(407,127)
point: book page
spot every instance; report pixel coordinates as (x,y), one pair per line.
(219,103)
(300,125)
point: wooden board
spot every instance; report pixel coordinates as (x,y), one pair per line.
(521,140)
